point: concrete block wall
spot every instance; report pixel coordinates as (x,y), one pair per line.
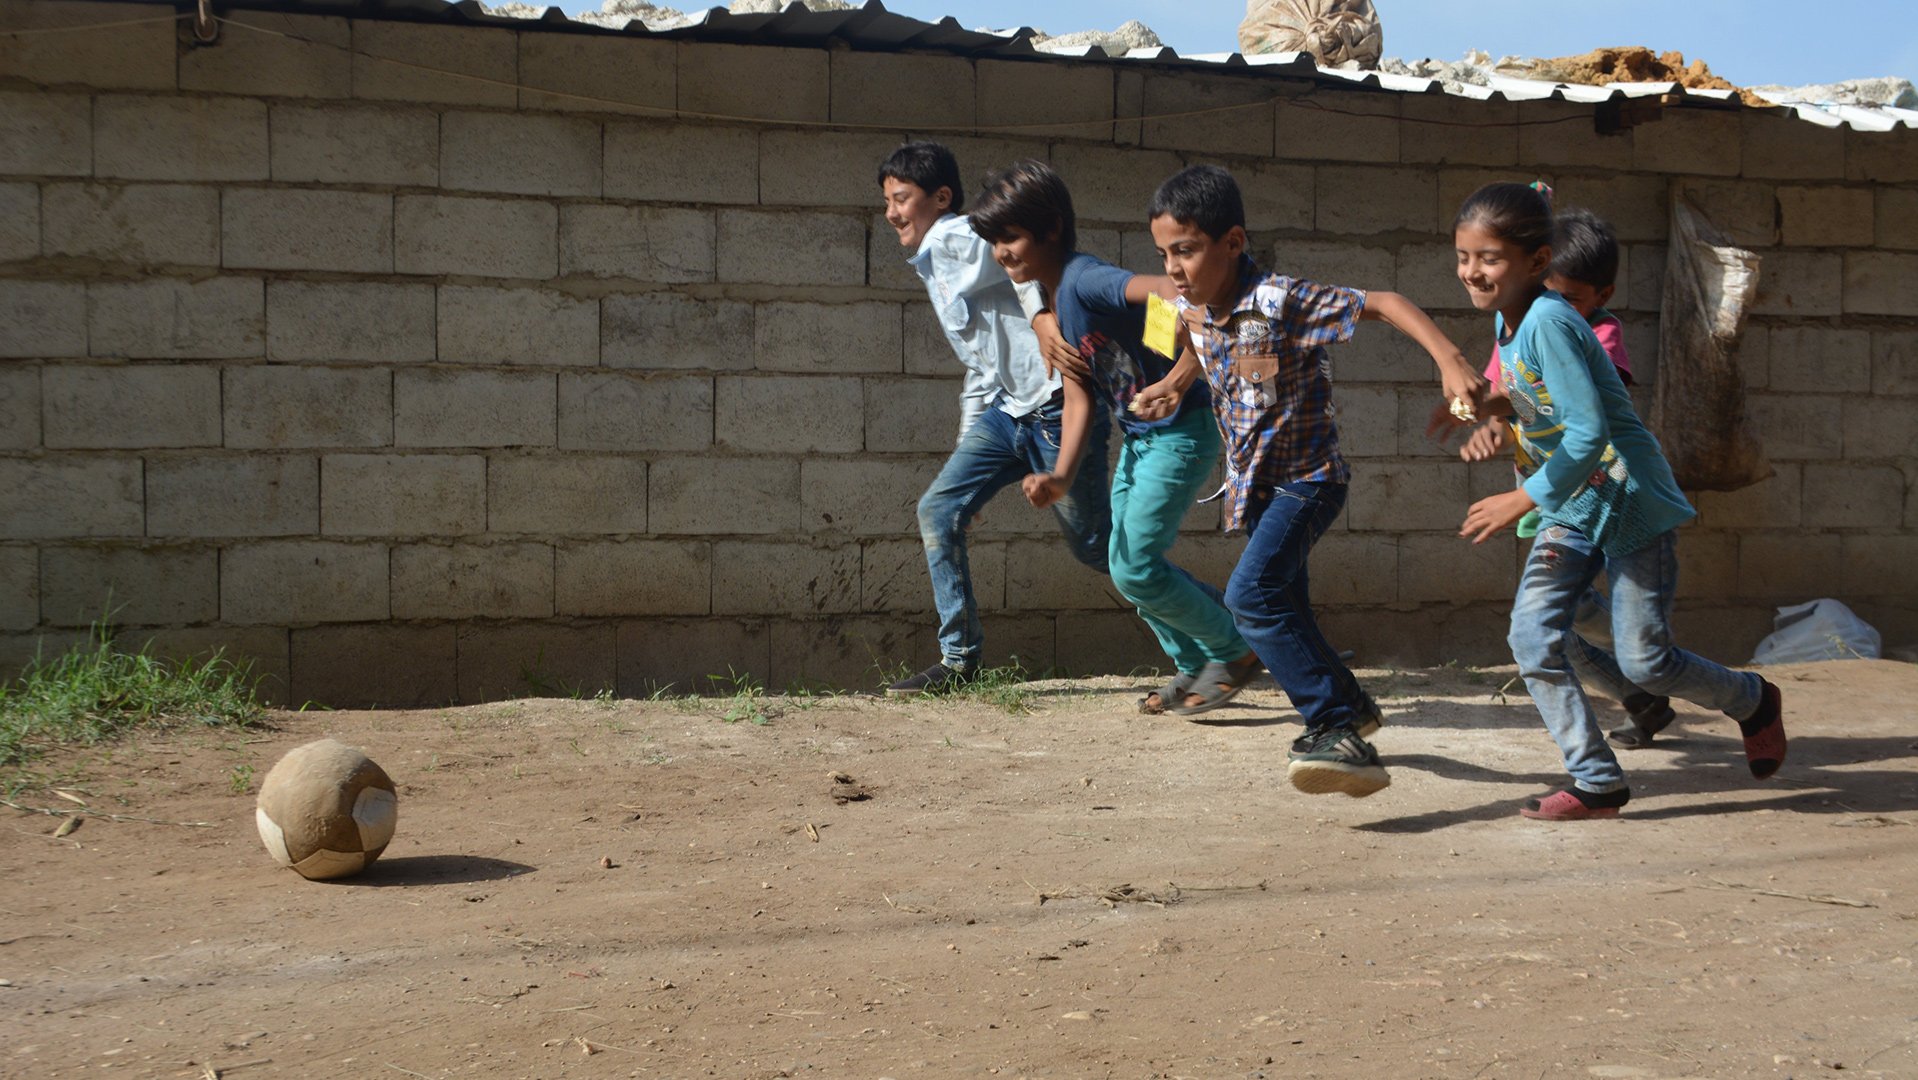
(529,373)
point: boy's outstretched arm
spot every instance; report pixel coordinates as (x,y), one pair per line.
(1044,489)
(1142,285)
(1455,372)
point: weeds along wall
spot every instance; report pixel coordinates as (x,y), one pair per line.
(418,387)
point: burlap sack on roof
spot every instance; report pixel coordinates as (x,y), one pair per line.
(1336,32)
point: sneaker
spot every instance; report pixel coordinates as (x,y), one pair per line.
(936,679)
(1336,759)
(1765,734)
(1650,715)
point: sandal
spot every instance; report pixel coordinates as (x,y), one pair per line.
(1567,806)
(1175,689)
(1218,684)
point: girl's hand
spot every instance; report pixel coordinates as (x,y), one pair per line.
(1044,489)
(1488,516)
(1485,443)
(1061,359)
(1155,402)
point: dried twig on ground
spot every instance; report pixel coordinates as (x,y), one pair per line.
(1815,898)
(55,812)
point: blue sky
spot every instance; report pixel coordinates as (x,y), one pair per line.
(1750,42)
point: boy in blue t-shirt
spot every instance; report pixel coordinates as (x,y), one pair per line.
(1025,211)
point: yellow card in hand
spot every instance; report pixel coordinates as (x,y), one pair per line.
(1161,326)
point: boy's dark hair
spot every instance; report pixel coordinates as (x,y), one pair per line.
(1516,213)
(1030,195)
(1584,248)
(1201,195)
(929,165)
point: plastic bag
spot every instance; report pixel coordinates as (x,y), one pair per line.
(1820,630)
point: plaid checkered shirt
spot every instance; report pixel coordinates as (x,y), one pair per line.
(1271,381)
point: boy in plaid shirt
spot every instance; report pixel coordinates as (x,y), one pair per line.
(1261,341)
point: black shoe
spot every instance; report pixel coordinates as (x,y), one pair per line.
(937,679)
(1650,715)
(1336,759)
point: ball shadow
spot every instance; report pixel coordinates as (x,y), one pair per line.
(436,870)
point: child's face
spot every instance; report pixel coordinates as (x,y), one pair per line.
(1497,274)
(1584,297)
(1025,257)
(910,211)
(1205,270)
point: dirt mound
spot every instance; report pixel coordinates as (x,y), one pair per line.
(1630,63)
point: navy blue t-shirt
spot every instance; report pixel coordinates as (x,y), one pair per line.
(1093,314)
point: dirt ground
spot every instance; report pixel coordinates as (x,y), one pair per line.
(1074,891)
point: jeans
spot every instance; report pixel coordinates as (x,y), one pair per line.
(1552,656)
(1269,595)
(996,451)
(1160,473)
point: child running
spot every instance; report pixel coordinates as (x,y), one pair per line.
(1607,503)
(1025,212)
(1015,418)
(1262,350)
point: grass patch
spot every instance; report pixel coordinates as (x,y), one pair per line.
(98,691)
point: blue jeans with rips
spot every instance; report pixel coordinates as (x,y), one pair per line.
(1553,656)
(996,451)
(1270,599)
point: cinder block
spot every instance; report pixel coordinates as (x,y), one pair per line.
(1368,420)
(1817,360)
(886,265)
(93,407)
(1894,364)
(17,651)
(19,591)
(61,497)
(1746,212)
(374,666)
(289,229)
(840,338)
(1886,157)
(1041,575)
(683,162)
(350,322)
(1564,134)
(123,47)
(1780,145)
(1023,641)
(519,153)
(643,243)
(170,319)
(19,222)
(569,495)
(789,414)
(1881,568)
(233,496)
(473,408)
(822,168)
(1696,141)
(451,65)
(147,224)
(869,497)
(1450,130)
(846,651)
(1786,566)
(911,416)
(303,581)
(1277,196)
(345,145)
(1895,215)
(634,577)
(630,412)
(1380,354)
(893,576)
(1334,262)
(980,155)
(667,330)
(927,350)
(1351,568)
(1879,428)
(43,318)
(723,496)
(759,578)
(514,238)
(872,88)
(1361,200)
(540,660)
(1443,567)
(1072,101)
(1135,250)
(1225,115)
(1855,496)
(1830,216)
(272,407)
(1337,125)
(1428,276)
(261,651)
(136,586)
(402,495)
(756,82)
(1708,566)
(179,138)
(1797,426)
(516,326)
(1876,283)
(1803,283)
(1109,643)
(46,134)
(1402,496)
(1772,503)
(691,655)
(472,581)
(772,247)
(19,407)
(592,73)
(1645,285)
(1753,356)
(1637,206)
(1111,184)
(297,56)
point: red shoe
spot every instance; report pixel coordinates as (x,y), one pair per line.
(1765,734)
(1565,806)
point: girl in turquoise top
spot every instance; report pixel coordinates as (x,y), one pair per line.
(1607,503)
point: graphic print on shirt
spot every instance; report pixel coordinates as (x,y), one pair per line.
(1113,367)
(1531,403)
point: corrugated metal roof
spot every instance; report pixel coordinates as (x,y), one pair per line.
(872,27)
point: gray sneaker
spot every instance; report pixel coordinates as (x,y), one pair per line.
(937,679)
(1336,759)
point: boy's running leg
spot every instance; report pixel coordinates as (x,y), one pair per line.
(1590,648)
(1085,514)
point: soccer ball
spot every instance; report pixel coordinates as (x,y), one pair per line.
(326,810)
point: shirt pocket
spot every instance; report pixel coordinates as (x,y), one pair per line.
(954,314)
